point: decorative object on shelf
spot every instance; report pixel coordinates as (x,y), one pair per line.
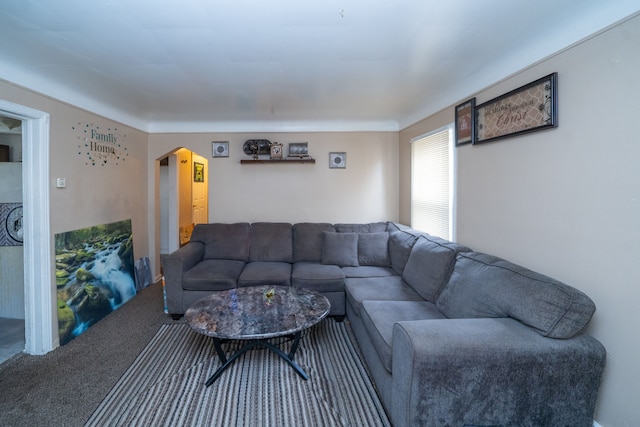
(220,148)
(276,151)
(255,147)
(298,149)
(464,125)
(529,108)
(288,160)
(198,172)
(338,160)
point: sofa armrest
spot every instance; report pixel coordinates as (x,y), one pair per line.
(173,267)
(491,372)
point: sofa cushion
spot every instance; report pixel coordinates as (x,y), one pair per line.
(373,249)
(400,244)
(340,249)
(368,271)
(429,267)
(482,285)
(379,317)
(223,241)
(317,277)
(377,289)
(213,275)
(307,241)
(265,273)
(271,241)
(373,227)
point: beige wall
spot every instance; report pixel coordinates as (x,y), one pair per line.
(367,190)
(566,201)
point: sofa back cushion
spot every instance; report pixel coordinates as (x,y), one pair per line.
(400,244)
(482,285)
(340,249)
(429,267)
(307,241)
(373,249)
(372,227)
(271,241)
(223,241)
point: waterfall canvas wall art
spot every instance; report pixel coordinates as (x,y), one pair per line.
(94,275)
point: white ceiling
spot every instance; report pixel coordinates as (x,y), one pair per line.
(212,65)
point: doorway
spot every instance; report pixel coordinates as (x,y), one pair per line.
(12,337)
(39,294)
(183,188)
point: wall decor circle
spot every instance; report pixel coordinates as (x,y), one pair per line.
(338,160)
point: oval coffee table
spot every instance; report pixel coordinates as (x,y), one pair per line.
(256,314)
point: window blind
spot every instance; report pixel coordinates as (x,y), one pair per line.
(430,184)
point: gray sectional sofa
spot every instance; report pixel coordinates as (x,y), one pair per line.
(451,337)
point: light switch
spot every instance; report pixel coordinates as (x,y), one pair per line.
(61,182)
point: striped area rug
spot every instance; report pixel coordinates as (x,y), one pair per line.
(165,384)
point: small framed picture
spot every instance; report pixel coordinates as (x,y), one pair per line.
(198,172)
(464,122)
(337,160)
(220,148)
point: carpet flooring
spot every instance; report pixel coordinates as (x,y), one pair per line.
(67,386)
(165,386)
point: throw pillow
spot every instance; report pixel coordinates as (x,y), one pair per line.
(340,249)
(373,249)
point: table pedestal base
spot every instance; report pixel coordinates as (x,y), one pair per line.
(254,343)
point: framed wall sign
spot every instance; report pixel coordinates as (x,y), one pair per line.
(529,108)
(464,122)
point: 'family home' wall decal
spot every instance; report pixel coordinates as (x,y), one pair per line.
(100,146)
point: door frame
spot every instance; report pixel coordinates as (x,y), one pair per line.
(40,316)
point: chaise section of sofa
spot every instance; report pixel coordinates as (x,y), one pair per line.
(487,343)
(491,371)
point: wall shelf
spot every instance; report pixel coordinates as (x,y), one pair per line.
(253,162)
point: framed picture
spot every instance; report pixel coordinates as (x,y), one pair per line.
(529,108)
(464,127)
(220,148)
(337,160)
(298,149)
(198,172)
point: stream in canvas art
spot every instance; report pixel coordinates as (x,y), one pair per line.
(94,275)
